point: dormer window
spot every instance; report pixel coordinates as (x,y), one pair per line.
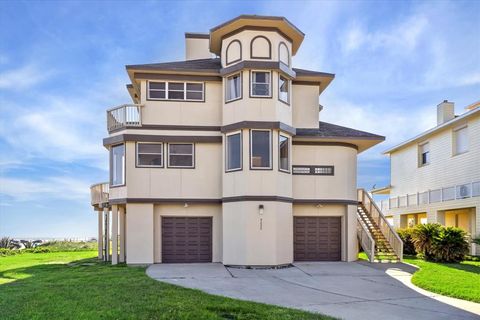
(176,91)
(260,84)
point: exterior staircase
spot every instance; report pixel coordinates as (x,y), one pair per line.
(378,239)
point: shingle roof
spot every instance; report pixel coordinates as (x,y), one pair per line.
(303,72)
(194,65)
(329,130)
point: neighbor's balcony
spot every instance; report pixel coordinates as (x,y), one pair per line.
(99,194)
(124,116)
(461,191)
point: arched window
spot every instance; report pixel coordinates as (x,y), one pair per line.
(233,52)
(283,54)
(260,48)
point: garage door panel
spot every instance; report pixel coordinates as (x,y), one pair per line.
(186,239)
(317,238)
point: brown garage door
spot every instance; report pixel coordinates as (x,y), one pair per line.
(317,238)
(186,239)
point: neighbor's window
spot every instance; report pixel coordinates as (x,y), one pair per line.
(181,155)
(187,91)
(117,162)
(234,87)
(260,84)
(234,152)
(283,89)
(460,140)
(260,150)
(149,154)
(424,154)
(283,151)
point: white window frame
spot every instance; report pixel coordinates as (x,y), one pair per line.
(226,151)
(288,156)
(420,154)
(252,72)
(112,170)
(149,166)
(227,87)
(270,167)
(182,154)
(454,140)
(288,87)
(167,89)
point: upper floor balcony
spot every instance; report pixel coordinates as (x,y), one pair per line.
(124,116)
(99,194)
(457,192)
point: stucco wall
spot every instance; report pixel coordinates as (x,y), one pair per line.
(139,233)
(305,107)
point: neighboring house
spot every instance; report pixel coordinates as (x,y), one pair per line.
(435,176)
(222,157)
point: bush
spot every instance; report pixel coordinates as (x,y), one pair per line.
(450,245)
(423,238)
(6,243)
(406,236)
(4,252)
(70,245)
(476,241)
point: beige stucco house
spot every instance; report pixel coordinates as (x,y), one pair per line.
(435,176)
(222,158)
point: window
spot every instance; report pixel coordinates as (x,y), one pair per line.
(234,152)
(460,140)
(283,151)
(117,165)
(283,89)
(234,87)
(260,149)
(150,154)
(314,170)
(260,84)
(187,91)
(424,154)
(181,155)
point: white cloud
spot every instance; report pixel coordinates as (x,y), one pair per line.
(23,77)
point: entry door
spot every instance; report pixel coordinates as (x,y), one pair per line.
(186,239)
(317,238)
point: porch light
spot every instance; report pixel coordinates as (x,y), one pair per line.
(260,209)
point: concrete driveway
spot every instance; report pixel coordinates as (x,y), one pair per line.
(346,290)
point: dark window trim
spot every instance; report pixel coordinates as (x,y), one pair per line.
(124,166)
(288,53)
(174,77)
(420,154)
(181,167)
(251,82)
(289,154)
(120,138)
(147,166)
(184,94)
(258,65)
(241,87)
(241,151)
(289,90)
(269,48)
(312,170)
(227,62)
(250,150)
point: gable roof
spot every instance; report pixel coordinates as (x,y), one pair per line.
(199,65)
(330,130)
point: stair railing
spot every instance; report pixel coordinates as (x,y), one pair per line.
(376,214)
(366,240)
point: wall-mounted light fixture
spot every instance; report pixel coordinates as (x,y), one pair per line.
(260,209)
(185,205)
(319,205)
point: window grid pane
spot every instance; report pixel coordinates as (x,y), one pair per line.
(283,152)
(150,154)
(180,155)
(234,151)
(260,149)
(233,87)
(260,83)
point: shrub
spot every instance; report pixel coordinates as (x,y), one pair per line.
(406,236)
(476,241)
(4,252)
(6,243)
(423,239)
(450,245)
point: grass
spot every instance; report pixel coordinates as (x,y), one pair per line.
(74,285)
(457,280)
(70,245)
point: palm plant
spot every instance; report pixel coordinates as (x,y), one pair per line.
(450,245)
(423,239)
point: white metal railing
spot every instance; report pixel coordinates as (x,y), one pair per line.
(366,240)
(376,214)
(99,193)
(126,115)
(461,191)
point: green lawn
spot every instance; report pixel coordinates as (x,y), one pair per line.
(73,285)
(458,280)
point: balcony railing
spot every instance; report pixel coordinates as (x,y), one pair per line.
(127,115)
(99,194)
(461,191)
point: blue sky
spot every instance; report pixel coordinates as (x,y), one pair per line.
(62,66)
